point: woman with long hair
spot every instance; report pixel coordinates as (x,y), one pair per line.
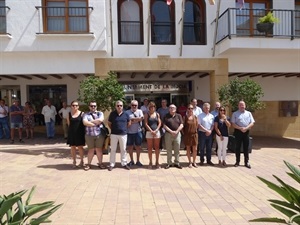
(152,124)
(190,135)
(222,124)
(76,133)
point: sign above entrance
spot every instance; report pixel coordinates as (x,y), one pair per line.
(181,87)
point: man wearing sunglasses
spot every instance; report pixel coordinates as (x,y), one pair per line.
(135,136)
(93,121)
(118,122)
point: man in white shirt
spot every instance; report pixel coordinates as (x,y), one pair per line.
(205,126)
(4,120)
(63,114)
(49,112)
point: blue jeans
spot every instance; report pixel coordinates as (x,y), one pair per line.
(4,127)
(205,142)
(50,128)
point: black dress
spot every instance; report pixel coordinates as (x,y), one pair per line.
(76,131)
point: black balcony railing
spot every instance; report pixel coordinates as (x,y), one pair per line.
(242,22)
(194,33)
(131,32)
(163,33)
(64,19)
(3,26)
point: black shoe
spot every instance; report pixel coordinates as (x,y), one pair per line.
(236,164)
(248,165)
(21,141)
(168,166)
(110,168)
(178,166)
(210,163)
(126,167)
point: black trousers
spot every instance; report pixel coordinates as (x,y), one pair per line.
(241,138)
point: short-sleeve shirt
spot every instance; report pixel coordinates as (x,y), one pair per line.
(96,130)
(197,111)
(242,119)
(65,112)
(222,126)
(163,112)
(16,118)
(206,120)
(173,122)
(135,127)
(118,122)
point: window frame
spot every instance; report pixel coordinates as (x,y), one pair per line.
(66,15)
(141,21)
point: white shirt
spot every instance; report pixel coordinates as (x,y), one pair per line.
(242,119)
(3,111)
(49,113)
(206,120)
(197,111)
(64,112)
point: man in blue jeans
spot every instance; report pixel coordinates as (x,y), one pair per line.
(206,126)
(49,112)
(4,128)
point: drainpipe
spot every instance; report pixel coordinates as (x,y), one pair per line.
(216,27)
(182,27)
(111,29)
(149,29)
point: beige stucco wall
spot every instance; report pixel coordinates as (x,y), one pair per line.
(269,123)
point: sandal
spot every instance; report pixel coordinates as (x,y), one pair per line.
(12,141)
(158,166)
(81,164)
(190,165)
(150,166)
(21,141)
(101,166)
(195,165)
(87,167)
(74,165)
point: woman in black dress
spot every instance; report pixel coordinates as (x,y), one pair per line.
(76,133)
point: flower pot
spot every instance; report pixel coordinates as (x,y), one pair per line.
(264,27)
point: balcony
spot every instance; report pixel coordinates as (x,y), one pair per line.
(237,29)
(3,26)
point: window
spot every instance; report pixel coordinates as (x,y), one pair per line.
(130,22)
(194,32)
(3,9)
(163,22)
(247,18)
(65,16)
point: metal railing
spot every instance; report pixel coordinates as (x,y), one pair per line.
(64,19)
(3,25)
(242,23)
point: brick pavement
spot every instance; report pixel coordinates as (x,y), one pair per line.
(204,195)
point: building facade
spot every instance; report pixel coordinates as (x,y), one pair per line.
(173,49)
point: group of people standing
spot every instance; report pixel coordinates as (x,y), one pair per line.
(128,127)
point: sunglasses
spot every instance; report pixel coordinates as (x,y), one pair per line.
(75,105)
(134,105)
(93,106)
(190,108)
(119,105)
(222,110)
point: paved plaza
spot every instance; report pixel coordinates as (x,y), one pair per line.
(204,195)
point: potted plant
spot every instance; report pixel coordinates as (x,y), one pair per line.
(266,23)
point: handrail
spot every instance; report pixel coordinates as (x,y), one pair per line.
(242,22)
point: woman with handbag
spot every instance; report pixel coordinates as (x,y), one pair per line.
(190,137)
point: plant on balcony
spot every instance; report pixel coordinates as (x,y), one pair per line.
(290,206)
(266,23)
(13,211)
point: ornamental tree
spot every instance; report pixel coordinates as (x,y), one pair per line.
(236,90)
(104,91)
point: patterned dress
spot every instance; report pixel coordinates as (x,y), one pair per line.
(28,119)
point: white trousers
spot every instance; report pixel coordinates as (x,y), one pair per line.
(114,140)
(222,147)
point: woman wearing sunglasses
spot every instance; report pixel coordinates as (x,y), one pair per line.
(76,133)
(222,124)
(190,137)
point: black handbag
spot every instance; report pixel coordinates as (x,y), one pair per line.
(104,130)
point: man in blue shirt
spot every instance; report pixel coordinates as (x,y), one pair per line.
(118,122)
(242,121)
